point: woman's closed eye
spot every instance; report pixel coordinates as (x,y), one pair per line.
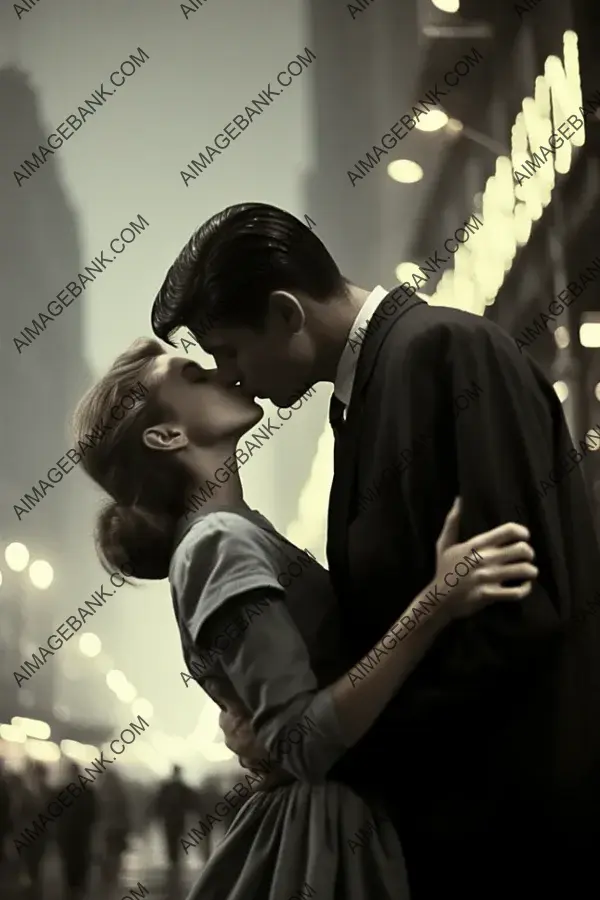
(191,371)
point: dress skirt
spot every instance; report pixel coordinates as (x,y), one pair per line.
(306,840)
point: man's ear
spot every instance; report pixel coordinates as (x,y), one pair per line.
(165,437)
(286,307)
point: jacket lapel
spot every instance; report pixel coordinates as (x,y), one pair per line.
(347,444)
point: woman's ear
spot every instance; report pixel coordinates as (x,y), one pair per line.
(165,437)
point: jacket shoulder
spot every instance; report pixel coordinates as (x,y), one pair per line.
(442,326)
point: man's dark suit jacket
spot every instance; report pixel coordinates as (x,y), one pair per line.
(496,734)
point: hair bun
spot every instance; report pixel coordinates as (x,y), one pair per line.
(135,541)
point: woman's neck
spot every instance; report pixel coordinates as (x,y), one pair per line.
(223,490)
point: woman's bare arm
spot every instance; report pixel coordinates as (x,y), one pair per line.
(364,691)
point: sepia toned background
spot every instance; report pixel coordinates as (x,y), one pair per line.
(371,67)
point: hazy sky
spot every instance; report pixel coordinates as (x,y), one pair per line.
(126,160)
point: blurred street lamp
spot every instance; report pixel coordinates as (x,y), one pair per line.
(41,574)
(16,556)
(13,734)
(90,644)
(33,728)
(115,679)
(562,337)
(589,330)
(447,6)
(405,170)
(433,121)
(126,693)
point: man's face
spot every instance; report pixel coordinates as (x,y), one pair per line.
(274,361)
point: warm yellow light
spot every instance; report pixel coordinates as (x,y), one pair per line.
(597,391)
(126,693)
(90,644)
(12,734)
(509,208)
(34,728)
(433,121)
(589,334)
(447,6)
(454,126)
(571,57)
(562,390)
(115,679)
(41,574)
(406,270)
(142,707)
(16,556)
(405,170)
(592,437)
(42,751)
(562,337)
(79,752)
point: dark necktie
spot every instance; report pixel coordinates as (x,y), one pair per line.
(336,415)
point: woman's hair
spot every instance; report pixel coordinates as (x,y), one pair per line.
(135,532)
(234,261)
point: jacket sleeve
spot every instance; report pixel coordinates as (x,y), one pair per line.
(491,436)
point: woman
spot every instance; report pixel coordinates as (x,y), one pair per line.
(178,511)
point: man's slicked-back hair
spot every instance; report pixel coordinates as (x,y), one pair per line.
(234,261)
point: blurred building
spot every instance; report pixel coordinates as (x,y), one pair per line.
(40,380)
(455,162)
(538,236)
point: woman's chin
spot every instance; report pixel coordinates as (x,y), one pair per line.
(255,414)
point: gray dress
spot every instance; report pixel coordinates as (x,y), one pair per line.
(259,629)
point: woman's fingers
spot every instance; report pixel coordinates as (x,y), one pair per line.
(510,532)
(513,553)
(450,528)
(495,592)
(522,571)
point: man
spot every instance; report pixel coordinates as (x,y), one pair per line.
(7,815)
(492,747)
(75,835)
(36,796)
(172,805)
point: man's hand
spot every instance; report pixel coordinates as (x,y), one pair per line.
(241,740)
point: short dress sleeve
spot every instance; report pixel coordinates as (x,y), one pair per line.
(228,569)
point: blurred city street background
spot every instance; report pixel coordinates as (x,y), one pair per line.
(398,139)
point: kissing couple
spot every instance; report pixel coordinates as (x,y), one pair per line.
(447,707)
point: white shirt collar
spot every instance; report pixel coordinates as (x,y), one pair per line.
(346,370)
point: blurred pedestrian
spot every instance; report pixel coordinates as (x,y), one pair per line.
(172,804)
(116,825)
(6,817)
(34,800)
(74,833)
